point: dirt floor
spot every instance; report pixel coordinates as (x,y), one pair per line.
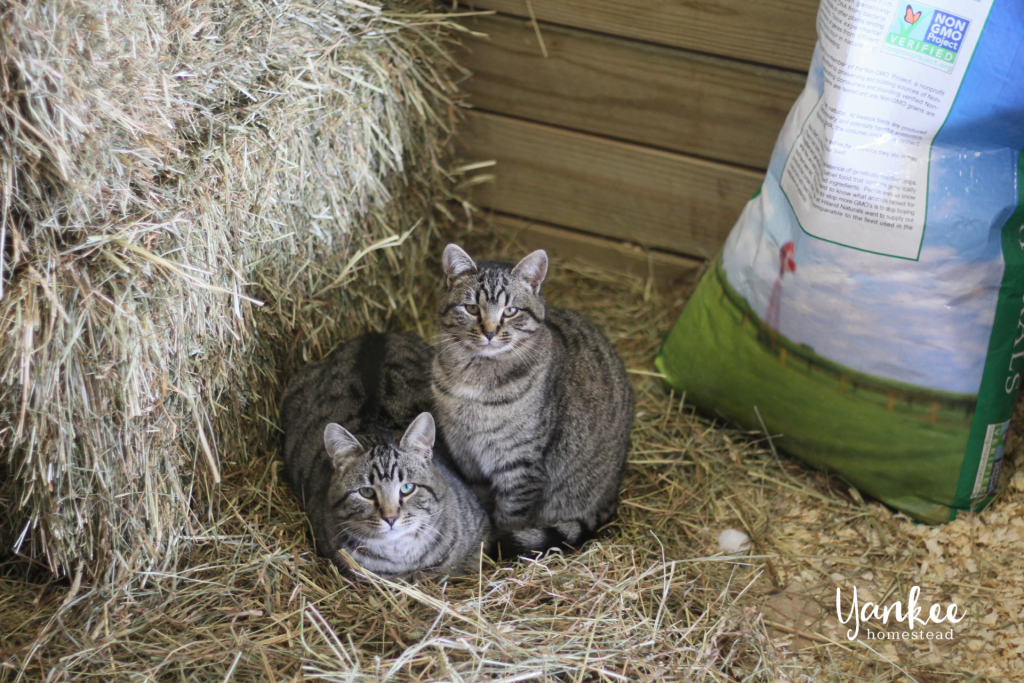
(653,599)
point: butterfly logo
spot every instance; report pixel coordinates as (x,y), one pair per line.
(909,21)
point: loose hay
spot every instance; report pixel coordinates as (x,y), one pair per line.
(166,170)
(651,600)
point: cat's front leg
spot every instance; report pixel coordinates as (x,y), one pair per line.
(516,489)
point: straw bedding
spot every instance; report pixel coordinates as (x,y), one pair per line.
(189,190)
(652,600)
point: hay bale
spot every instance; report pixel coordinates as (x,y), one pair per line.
(190,194)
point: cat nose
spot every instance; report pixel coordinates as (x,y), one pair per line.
(490,334)
(391,521)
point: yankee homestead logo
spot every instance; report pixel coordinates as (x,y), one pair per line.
(927,35)
(911,618)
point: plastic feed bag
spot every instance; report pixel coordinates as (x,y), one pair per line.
(870,300)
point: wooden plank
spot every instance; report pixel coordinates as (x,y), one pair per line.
(666,271)
(710,107)
(774,32)
(616,189)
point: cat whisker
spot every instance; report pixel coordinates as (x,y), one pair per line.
(432,529)
(444,338)
(435,514)
(525,354)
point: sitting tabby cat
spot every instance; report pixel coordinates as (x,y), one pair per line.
(391,506)
(533,404)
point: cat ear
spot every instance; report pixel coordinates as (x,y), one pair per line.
(420,434)
(456,262)
(533,268)
(340,444)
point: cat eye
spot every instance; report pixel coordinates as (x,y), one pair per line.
(511,312)
(407,488)
(472,309)
(366,492)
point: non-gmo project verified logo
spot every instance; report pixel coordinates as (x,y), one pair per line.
(927,35)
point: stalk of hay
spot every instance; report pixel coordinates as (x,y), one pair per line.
(191,193)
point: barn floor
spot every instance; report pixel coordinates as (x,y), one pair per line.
(652,600)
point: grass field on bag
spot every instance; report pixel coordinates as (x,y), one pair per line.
(899,443)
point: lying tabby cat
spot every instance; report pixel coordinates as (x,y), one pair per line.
(391,506)
(533,404)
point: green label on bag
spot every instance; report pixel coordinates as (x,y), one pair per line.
(1004,367)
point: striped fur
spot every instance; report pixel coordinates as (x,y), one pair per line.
(533,404)
(385,500)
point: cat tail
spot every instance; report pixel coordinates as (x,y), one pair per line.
(565,536)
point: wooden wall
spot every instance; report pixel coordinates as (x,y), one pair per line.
(637,140)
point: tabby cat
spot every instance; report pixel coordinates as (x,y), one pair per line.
(533,404)
(368,488)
